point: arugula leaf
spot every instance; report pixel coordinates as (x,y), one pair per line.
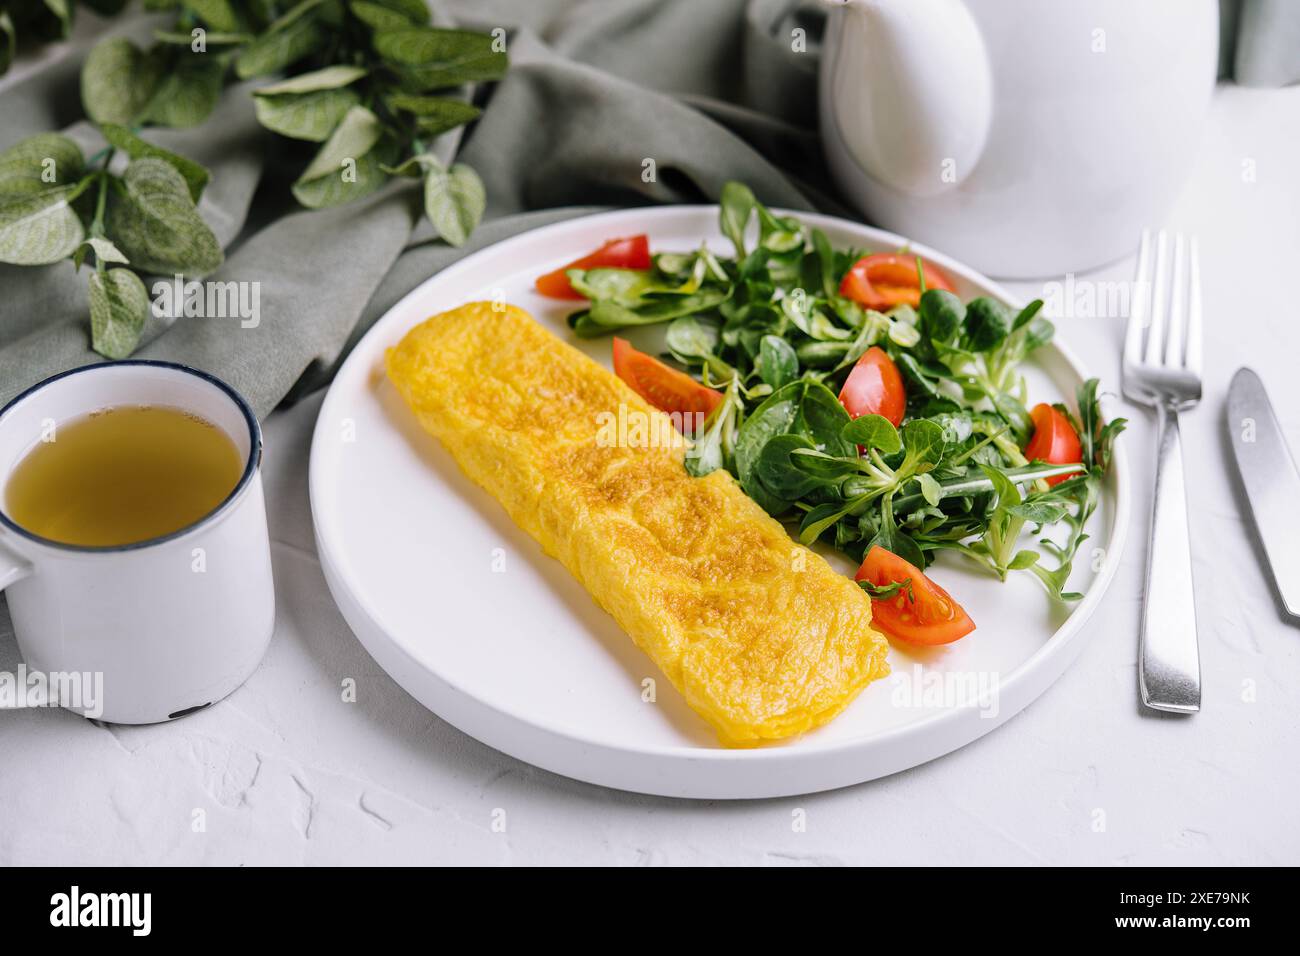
(716,448)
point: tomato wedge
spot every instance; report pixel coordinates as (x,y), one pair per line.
(1054,440)
(630,253)
(887,279)
(875,387)
(932,618)
(665,388)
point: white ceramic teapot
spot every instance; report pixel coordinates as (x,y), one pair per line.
(1026,137)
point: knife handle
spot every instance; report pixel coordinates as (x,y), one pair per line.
(1169,668)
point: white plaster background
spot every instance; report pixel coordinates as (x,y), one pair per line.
(287,773)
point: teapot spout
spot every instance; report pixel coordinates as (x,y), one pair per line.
(907,89)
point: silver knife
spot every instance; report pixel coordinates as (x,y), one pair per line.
(1272,482)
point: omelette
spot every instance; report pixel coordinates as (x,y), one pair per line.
(760,635)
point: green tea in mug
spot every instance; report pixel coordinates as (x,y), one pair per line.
(122,475)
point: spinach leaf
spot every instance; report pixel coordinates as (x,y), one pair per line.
(988,323)
(777,362)
(941,315)
(873,431)
(777,472)
(737,207)
(607,316)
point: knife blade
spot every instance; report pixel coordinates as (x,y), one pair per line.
(1272,483)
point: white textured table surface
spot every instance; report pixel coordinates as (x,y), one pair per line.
(285,772)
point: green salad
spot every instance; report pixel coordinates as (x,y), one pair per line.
(853,391)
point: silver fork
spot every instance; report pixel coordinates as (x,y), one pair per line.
(1162,368)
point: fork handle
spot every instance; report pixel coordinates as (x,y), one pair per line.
(1169,668)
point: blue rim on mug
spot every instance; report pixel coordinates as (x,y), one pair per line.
(250,467)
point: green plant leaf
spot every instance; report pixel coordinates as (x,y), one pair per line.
(988,322)
(216,14)
(379,17)
(454,200)
(779,474)
(930,489)
(309,106)
(104,251)
(8,40)
(119,306)
(415,11)
(330,78)
(355,136)
(285,42)
(188,92)
(777,361)
(736,208)
(343,187)
(434,114)
(196,175)
(433,57)
(941,314)
(625,286)
(62,10)
(41,228)
(38,163)
(873,431)
(605,316)
(118,81)
(689,338)
(152,220)
(309,116)
(925,443)
(211,38)
(349,165)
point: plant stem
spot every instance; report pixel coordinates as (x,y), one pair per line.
(966,486)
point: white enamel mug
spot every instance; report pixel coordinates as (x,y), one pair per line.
(173,623)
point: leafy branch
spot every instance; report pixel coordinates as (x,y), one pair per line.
(369,81)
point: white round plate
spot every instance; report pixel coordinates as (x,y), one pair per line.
(466,613)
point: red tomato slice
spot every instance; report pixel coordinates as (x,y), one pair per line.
(630,253)
(875,387)
(1054,440)
(933,618)
(887,279)
(665,388)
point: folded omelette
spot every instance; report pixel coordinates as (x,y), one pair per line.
(763,638)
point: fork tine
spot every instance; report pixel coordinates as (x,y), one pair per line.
(1140,307)
(1177,305)
(1194,309)
(1159,301)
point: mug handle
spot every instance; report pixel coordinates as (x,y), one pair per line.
(13,567)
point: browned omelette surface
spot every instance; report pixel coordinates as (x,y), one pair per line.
(761,635)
